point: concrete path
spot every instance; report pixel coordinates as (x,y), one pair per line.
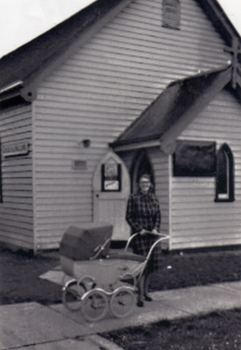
(55,328)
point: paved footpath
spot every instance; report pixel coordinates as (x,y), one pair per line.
(53,327)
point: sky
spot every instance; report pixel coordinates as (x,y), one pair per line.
(23,20)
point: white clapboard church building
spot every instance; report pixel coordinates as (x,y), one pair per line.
(122,87)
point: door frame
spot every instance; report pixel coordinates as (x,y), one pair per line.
(122,195)
(140,157)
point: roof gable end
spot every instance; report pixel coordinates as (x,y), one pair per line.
(33,61)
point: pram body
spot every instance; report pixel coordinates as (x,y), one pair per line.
(105,279)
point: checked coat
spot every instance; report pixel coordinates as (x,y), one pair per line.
(143,212)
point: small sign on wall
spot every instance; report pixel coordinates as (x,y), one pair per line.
(194,158)
(79,164)
(15,149)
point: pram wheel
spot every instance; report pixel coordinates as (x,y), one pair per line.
(87,282)
(94,305)
(122,302)
(72,293)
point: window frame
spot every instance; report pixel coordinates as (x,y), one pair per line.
(116,179)
(225,152)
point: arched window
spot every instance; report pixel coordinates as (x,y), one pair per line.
(225,175)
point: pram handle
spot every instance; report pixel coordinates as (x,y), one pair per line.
(155,244)
(161,235)
(99,249)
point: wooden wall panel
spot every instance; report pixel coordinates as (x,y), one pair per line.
(197,220)
(99,91)
(16,211)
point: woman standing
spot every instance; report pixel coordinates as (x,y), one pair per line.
(143,215)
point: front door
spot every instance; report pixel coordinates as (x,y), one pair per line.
(111,189)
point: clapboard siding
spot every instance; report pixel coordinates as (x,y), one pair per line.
(98,92)
(198,221)
(16,211)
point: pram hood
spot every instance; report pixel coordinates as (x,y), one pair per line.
(81,243)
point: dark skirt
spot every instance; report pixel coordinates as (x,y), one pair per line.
(141,245)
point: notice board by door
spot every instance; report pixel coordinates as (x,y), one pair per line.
(111,189)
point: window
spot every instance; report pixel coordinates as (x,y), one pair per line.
(171,14)
(111,176)
(225,175)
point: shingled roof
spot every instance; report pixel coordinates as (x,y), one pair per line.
(20,68)
(174,109)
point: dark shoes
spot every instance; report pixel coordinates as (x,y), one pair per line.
(140,303)
(147,298)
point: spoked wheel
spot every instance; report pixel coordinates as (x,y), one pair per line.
(72,293)
(94,305)
(122,302)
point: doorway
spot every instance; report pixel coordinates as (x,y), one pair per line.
(111,189)
(141,164)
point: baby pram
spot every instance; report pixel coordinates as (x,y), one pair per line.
(102,279)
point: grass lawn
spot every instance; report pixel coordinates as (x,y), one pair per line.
(20,282)
(219,330)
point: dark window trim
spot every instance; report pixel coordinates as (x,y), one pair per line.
(225,149)
(119,180)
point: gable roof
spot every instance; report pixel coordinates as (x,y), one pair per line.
(219,19)
(21,69)
(172,111)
